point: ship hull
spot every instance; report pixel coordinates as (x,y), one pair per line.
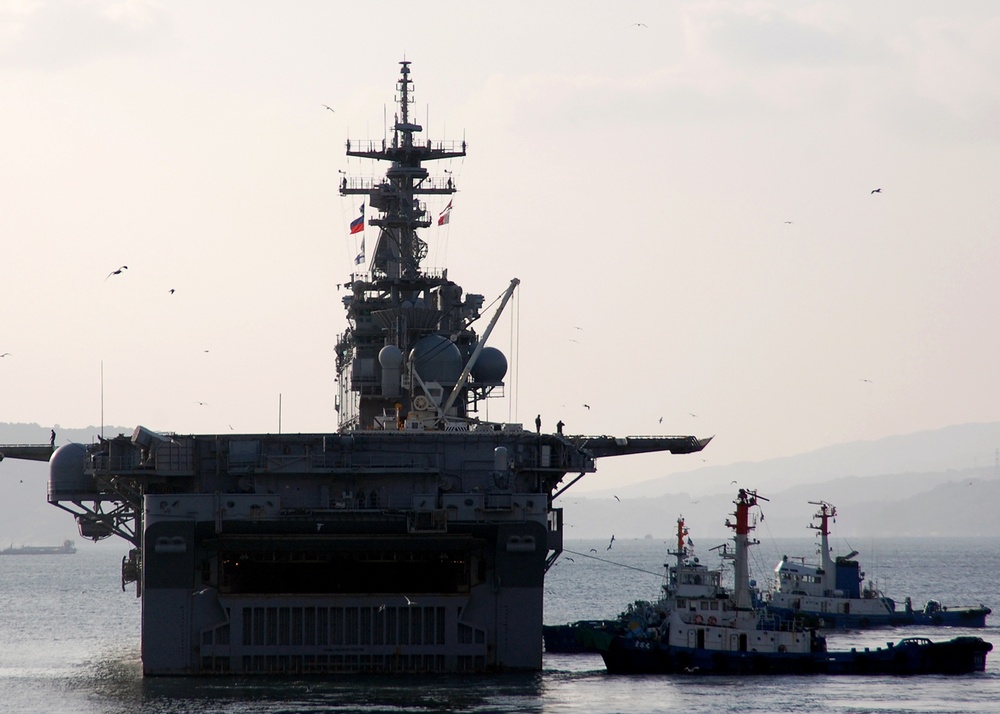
(961,655)
(337,595)
(577,637)
(949,617)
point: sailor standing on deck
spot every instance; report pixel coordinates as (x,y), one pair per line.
(538,424)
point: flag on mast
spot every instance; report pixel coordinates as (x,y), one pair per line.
(445,215)
(358,224)
(359,259)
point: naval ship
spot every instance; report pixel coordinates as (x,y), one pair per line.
(414,538)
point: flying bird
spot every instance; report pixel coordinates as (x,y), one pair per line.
(117,272)
(171,291)
(617,499)
(329,107)
(5,354)
(593,550)
(788,221)
(640,24)
(876,190)
(409,601)
(587,405)
(570,559)
(661,420)
(202,404)
(866,380)
(612,542)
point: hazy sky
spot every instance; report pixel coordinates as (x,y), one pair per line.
(684,190)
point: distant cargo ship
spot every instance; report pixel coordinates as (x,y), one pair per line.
(67,548)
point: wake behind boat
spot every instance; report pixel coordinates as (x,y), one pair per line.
(726,633)
(829,594)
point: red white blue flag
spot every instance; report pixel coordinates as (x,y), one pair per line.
(358,224)
(445,215)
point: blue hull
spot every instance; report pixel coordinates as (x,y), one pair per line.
(961,655)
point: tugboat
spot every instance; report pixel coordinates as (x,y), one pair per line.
(829,594)
(413,538)
(686,580)
(738,638)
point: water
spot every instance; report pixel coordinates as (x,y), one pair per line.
(69,643)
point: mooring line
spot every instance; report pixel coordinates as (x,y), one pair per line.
(611,562)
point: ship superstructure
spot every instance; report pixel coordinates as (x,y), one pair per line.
(831,593)
(415,537)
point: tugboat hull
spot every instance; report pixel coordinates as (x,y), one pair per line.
(961,655)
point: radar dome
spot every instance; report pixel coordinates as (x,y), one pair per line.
(437,359)
(491,367)
(67,478)
(390,357)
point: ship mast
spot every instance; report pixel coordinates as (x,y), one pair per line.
(399,250)
(744,502)
(826,512)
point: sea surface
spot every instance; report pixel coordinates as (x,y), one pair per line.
(69,642)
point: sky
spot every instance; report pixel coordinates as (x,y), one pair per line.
(684,189)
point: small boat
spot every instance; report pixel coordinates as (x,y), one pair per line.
(67,548)
(830,594)
(731,634)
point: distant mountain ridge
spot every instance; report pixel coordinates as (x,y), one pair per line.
(956,447)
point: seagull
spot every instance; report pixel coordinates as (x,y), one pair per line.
(5,354)
(202,404)
(640,24)
(593,550)
(876,190)
(587,405)
(788,221)
(117,272)
(693,414)
(612,542)
(661,420)
(570,559)
(409,601)
(617,499)
(866,380)
(171,291)
(732,482)
(329,107)
(381,607)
